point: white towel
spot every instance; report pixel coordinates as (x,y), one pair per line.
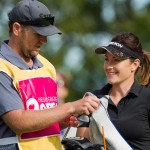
(99,119)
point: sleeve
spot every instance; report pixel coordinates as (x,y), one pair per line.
(10,98)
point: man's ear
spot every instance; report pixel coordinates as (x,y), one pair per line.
(16,28)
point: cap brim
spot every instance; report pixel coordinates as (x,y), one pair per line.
(112,50)
(101,50)
(47,31)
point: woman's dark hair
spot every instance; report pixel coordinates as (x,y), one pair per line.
(131,41)
(144,70)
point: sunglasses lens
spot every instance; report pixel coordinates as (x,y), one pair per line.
(60,83)
(40,22)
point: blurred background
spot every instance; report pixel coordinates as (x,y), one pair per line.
(86,24)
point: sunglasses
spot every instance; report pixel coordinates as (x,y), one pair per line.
(60,83)
(40,22)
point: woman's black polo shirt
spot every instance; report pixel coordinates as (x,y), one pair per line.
(132,115)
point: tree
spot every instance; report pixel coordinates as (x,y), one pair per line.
(85,25)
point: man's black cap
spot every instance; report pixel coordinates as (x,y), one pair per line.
(35,14)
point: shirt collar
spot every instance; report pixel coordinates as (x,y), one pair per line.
(135,89)
(10,55)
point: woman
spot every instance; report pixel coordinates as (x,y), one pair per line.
(128,102)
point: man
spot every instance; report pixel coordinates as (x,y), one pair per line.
(29,118)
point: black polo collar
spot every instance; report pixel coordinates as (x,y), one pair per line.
(135,89)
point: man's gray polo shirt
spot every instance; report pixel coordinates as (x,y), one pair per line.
(9,96)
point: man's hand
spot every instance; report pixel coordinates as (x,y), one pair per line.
(86,105)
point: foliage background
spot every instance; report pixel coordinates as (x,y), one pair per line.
(86,24)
